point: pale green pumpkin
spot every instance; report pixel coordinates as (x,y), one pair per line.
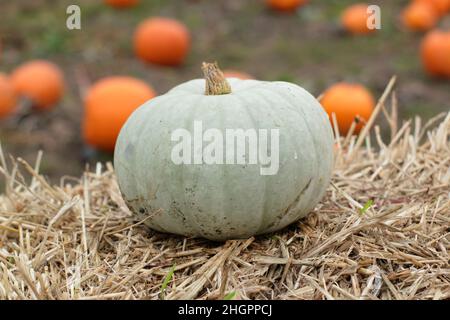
(225,201)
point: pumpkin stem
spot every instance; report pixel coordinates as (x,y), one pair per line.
(216,83)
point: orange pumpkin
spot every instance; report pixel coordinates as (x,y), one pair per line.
(419,16)
(285,5)
(237,74)
(349,102)
(162,41)
(40,81)
(435,53)
(441,6)
(108,104)
(354,19)
(8,98)
(121,3)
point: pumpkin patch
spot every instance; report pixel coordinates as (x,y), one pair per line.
(315,166)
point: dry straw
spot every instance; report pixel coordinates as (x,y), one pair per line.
(381,232)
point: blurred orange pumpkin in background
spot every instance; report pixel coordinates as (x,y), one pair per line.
(122,3)
(435,53)
(349,102)
(354,19)
(419,16)
(162,41)
(285,5)
(8,98)
(237,74)
(40,81)
(108,104)
(441,6)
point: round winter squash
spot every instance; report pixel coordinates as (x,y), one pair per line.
(419,16)
(349,102)
(237,74)
(285,5)
(108,104)
(122,3)
(354,19)
(40,81)
(8,98)
(162,41)
(435,53)
(441,6)
(225,158)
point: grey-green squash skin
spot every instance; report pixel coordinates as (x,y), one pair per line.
(223,201)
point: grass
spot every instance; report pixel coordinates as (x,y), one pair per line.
(166,281)
(230,296)
(366,206)
(421,106)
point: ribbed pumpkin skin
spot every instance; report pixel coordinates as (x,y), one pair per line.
(223,201)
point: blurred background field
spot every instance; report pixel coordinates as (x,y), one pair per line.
(307,48)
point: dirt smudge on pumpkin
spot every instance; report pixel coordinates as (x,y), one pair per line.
(291,206)
(177,212)
(297,199)
(142,210)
